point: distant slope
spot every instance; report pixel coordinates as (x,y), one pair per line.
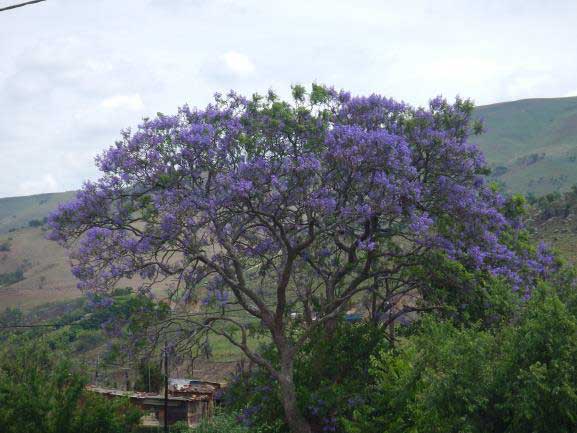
(44,265)
(40,268)
(16,212)
(34,270)
(531,144)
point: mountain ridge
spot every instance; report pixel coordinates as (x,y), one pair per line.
(531,144)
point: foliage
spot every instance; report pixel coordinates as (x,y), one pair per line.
(119,319)
(471,296)
(555,204)
(124,313)
(5,246)
(517,378)
(221,422)
(41,394)
(149,376)
(11,316)
(37,222)
(86,340)
(331,375)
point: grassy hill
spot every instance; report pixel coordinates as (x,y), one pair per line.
(41,264)
(17,212)
(531,144)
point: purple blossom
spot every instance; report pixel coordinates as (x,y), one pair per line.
(367,245)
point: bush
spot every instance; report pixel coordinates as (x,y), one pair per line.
(223,422)
(519,378)
(42,394)
(86,340)
(9,278)
(36,223)
(11,316)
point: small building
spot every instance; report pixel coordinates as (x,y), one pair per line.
(188,400)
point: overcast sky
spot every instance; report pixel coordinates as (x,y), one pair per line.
(73,73)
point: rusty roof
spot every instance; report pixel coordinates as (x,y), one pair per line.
(144,395)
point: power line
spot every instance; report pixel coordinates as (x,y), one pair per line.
(19,5)
(61,325)
(180,316)
(165,386)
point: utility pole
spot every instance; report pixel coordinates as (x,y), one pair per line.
(96,376)
(165,387)
(148,363)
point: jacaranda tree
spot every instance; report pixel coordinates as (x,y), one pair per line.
(290,211)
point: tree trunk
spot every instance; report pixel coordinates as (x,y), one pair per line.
(295,420)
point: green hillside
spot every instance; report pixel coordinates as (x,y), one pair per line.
(531,144)
(17,212)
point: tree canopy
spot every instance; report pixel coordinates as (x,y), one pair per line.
(292,210)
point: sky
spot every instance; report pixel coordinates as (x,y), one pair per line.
(74,73)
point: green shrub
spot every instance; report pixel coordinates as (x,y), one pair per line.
(9,278)
(515,379)
(40,393)
(223,422)
(36,223)
(5,246)
(87,340)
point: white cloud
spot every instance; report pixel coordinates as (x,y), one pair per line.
(46,183)
(237,63)
(129,102)
(79,160)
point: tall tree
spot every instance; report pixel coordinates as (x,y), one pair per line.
(289,210)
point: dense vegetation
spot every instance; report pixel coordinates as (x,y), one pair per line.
(516,374)
(40,392)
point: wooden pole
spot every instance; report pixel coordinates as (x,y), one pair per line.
(96,374)
(165,387)
(148,363)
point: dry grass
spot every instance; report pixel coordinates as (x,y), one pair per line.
(47,275)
